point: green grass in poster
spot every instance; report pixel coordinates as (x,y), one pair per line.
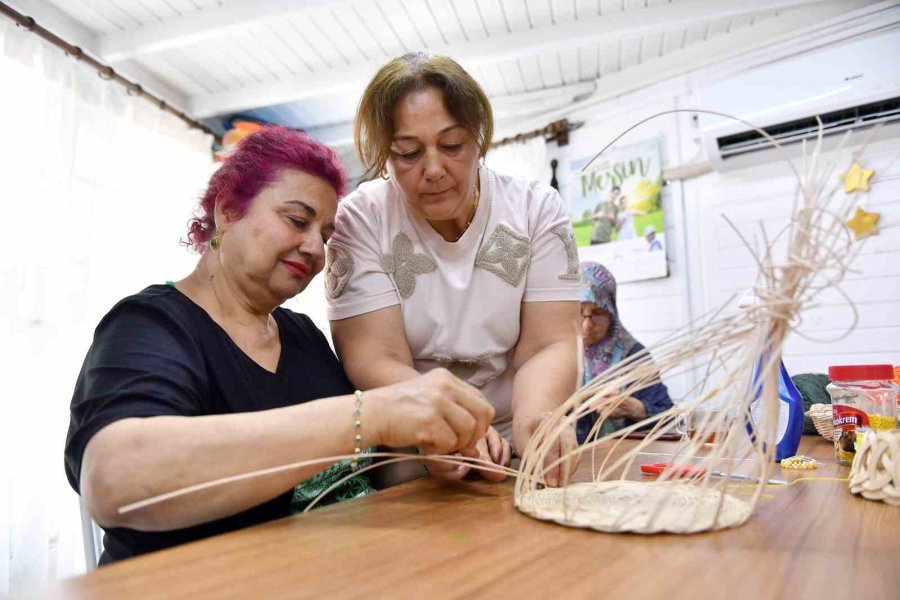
(582,229)
(582,233)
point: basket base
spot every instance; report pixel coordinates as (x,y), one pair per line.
(636,507)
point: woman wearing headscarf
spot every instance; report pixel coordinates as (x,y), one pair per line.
(607,342)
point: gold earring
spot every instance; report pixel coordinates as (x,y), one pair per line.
(216,241)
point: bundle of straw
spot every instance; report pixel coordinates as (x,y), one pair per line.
(742,354)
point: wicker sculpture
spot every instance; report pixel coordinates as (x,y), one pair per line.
(742,352)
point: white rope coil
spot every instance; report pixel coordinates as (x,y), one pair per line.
(875,474)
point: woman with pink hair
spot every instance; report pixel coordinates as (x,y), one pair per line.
(208,376)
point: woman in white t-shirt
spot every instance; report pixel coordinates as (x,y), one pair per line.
(442,263)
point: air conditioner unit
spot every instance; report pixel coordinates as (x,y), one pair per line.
(849,87)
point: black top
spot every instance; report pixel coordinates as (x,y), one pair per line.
(157,353)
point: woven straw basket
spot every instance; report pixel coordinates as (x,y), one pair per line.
(821,418)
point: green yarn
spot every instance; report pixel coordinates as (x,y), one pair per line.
(812,389)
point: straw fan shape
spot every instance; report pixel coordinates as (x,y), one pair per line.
(741,355)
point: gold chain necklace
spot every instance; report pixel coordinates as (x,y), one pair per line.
(472,216)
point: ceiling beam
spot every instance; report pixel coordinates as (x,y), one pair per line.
(237,14)
(506,108)
(860,17)
(192,28)
(513,45)
(515,105)
(797,30)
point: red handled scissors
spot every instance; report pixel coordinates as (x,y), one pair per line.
(675,470)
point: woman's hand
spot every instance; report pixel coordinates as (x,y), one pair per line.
(494,448)
(525,426)
(435,412)
(491,448)
(631,409)
(546,362)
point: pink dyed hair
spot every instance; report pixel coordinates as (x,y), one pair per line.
(258,161)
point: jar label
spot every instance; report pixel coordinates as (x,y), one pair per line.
(848,417)
(846,420)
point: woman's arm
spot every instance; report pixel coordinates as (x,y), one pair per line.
(133,459)
(631,408)
(644,403)
(374,351)
(546,363)
(649,402)
(373,348)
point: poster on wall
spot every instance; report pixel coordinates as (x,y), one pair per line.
(616,209)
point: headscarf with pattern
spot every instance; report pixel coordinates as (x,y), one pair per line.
(599,287)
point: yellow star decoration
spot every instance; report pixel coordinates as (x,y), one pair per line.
(856,178)
(863,223)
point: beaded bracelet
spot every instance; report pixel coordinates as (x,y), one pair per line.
(357,430)
(799,462)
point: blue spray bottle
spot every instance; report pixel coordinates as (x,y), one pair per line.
(790,403)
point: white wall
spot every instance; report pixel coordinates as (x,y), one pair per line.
(764,195)
(706,262)
(654,308)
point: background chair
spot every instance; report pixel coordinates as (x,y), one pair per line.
(93,538)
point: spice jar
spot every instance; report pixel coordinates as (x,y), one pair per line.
(863,397)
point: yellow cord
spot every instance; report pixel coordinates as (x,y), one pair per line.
(790,483)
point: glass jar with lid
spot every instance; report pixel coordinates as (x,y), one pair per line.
(863,397)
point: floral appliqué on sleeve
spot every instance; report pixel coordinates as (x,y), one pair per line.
(338,270)
(568,239)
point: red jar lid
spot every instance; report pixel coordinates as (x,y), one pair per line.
(860,372)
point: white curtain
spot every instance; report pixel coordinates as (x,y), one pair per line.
(525,160)
(97,188)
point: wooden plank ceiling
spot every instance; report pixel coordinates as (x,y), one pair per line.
(303,63)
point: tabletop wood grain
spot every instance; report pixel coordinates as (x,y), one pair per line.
(427,540)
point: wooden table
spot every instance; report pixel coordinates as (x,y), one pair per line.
(425,540)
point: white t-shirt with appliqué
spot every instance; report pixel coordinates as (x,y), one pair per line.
(461,301)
